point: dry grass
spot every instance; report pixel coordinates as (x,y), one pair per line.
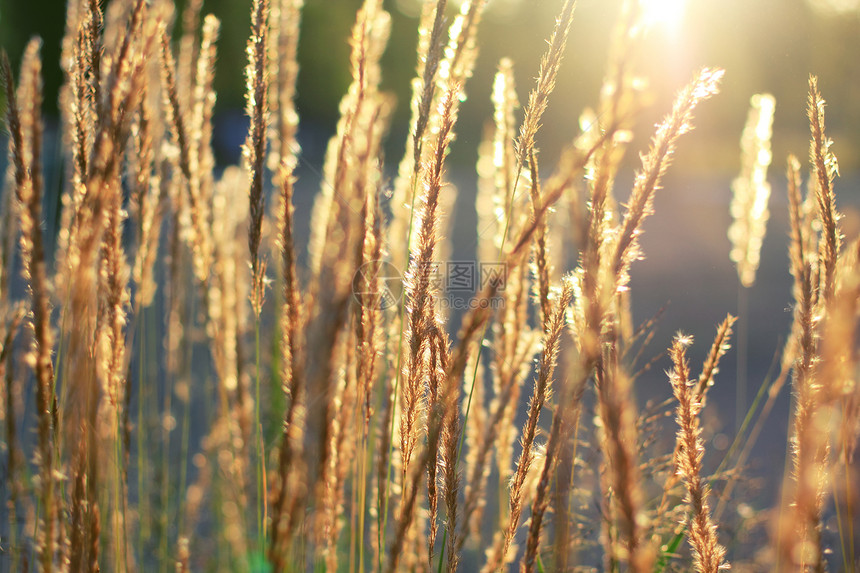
(353,431)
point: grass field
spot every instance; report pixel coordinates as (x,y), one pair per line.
(198,376)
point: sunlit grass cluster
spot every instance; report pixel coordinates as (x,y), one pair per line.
(184,389)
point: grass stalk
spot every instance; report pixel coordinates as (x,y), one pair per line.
(743,349)
(259,445)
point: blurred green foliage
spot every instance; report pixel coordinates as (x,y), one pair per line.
(765,45)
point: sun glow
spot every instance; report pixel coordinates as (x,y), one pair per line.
(835,7)
(666,13)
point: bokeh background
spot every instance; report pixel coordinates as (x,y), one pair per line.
(764,46)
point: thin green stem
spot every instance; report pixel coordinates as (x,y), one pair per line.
(842,545)
(261,457)
(379,490)
(367,449)
(164,518)
(354,516)
(167,408)
(143,519)
(183,461)
(119,506)
(747,420)
(510,209)
(186,429)
(750,439)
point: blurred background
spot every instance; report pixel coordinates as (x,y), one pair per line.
(764,46)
